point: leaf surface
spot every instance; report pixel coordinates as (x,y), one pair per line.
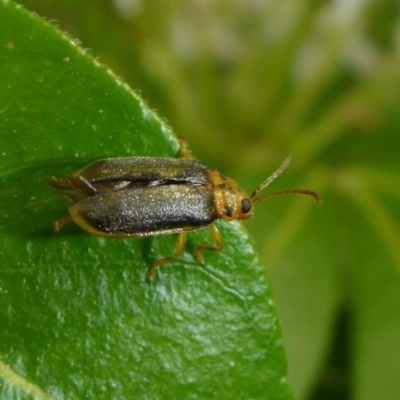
(77,318)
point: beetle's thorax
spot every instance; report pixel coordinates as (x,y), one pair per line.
(228,198)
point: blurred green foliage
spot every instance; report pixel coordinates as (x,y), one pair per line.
(248,82)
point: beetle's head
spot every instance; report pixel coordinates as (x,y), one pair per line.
(233,203)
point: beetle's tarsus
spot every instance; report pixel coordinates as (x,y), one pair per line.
(185,153)
(151,274)
(61,222)
(199,257)
(153,270)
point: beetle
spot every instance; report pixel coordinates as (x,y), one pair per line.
(145,196)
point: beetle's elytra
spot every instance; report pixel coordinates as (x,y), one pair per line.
(142,196)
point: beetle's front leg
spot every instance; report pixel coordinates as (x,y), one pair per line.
(185,153)
(180,245)
(216,238)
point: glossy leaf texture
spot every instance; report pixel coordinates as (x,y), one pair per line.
(77,318)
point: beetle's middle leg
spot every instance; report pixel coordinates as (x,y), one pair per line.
(216,238)
(180,245)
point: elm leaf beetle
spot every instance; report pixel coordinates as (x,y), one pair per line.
(145,196)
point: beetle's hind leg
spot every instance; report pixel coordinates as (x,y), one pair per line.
(74,188)
(61,222)
(180,245)
(216,238)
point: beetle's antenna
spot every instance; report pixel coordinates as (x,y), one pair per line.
(271,178)
(288,191)
(281,168)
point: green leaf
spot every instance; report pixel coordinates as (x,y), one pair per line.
(270,82)
(77,318)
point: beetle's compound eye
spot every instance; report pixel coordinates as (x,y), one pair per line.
(246,206)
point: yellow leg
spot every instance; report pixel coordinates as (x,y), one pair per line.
(180,245)
(216,238)
(185,153)
(61,222)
